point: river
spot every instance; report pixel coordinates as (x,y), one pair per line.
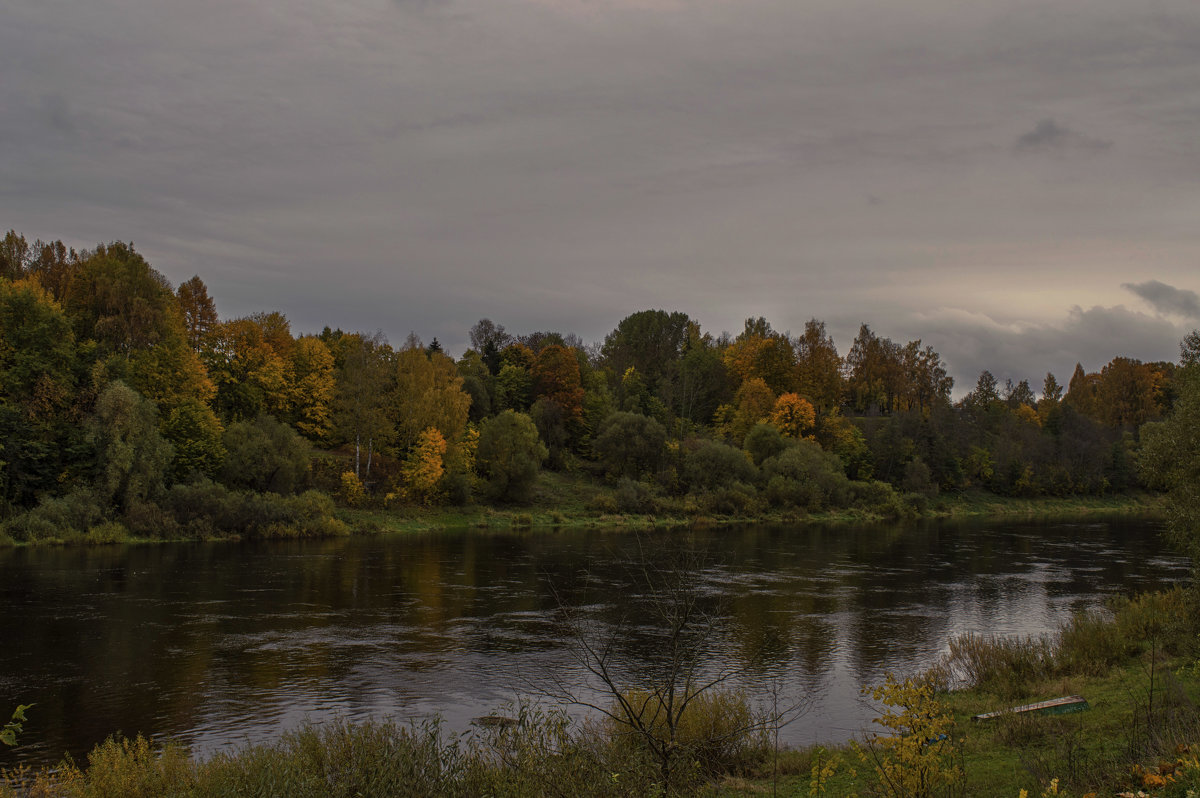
(223,644)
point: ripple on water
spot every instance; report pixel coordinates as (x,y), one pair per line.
(238,647)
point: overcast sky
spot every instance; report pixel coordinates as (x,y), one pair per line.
(1016,182)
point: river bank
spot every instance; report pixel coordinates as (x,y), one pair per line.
(209,513)
(562,501)
(1139,735)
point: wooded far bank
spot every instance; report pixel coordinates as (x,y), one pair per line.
(129,408)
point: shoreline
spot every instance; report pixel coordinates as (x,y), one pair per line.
(552,513)
(540,517)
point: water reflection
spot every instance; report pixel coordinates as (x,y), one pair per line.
(224,644)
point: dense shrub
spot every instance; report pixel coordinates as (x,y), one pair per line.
(1166,617)
(509,456)
(264,455)
(107,533)
(1090,643)
(736,498)
(765,441)
(634,497)
(207,509)
(879,497)
(630,445)
(813,477)
(918,478)
(57,518)
(784,492)
(149,520)
(604,503)
(709,464)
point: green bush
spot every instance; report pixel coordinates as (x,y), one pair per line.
(456,487)
(206,509)
(124,768)
(630,445)
(148,520)
(509,456)
(878,497)
(791,493)
(60,518)
(604,502)
(765,441)
(736,498)
(108,533)
(918,478)
(264,455)
(709,465)
(634,497)
(1167,618)
(822,481)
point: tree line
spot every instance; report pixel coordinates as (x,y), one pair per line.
(127,404)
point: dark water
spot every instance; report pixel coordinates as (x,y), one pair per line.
(223,644)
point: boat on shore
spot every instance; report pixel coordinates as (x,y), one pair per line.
(1054,706)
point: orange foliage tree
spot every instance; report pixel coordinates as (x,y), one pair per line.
(793,415)
(556,377)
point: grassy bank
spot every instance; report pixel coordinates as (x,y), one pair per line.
(209,511)
(564,500)
(1139,736)
(1120,744)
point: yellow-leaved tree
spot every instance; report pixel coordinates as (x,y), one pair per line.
(752,405)
(917,757)
(427,393)
(312,388)
(425,466)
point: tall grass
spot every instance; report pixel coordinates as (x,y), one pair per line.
(537,753)
(1090,643)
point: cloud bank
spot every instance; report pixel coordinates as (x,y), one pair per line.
(418,164)
(1167,299)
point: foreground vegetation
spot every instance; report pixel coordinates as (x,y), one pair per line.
(1137,669)
(1136,665)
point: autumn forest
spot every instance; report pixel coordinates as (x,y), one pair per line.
(129,408)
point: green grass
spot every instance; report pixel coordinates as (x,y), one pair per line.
(1141,716)
(576,500)
(980,503)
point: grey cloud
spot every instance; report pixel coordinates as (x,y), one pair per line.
(1167,299)
(972,342)
(565,162)
(1049,136)
(58,114)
